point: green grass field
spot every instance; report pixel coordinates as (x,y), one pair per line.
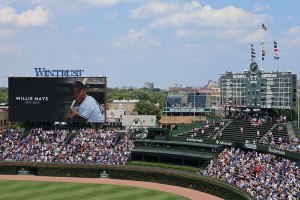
(40,190)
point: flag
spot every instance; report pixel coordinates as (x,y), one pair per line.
(263,52)
(252,53)
(276,50)
(263,27)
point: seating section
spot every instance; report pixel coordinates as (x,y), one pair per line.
(264,176)
(208,130)
(248,133)
(88,146)
(196,100)
(174,100)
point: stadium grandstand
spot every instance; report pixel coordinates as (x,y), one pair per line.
(64,146)
(253,147)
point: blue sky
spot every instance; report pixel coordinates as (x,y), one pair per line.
(135,41)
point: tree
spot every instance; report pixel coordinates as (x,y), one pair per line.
(3,95)
(147,108)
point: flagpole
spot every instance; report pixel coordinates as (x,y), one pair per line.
(264,28)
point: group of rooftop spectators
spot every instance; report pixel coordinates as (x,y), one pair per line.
(260,116)
(88,146)
(264,176)
(283,143)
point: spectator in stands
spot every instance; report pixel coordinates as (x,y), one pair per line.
(264,176)
(89,146)
(88,109)
(242,130)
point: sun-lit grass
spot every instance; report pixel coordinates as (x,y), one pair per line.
(40,190)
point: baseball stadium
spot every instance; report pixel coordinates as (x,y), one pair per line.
(248,149)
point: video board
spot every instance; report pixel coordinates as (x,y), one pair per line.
(57,99)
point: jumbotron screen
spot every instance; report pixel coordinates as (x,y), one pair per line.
(59,99)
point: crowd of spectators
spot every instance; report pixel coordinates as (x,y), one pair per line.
(264,176)
(283,143)
(99,147)
(88,146)
(258,117)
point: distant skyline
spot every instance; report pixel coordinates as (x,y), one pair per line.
(136,41)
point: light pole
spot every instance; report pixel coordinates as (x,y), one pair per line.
(194,103)
(298,106)
(166,112)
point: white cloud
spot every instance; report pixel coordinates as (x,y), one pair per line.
(259,8)
(102,3)
(230,33)
(6,2)
(135,38)
(152,9)
(10,50)
(39,16)
(294,30)
(292,37)
(6,33)
(255,37)
(205,16)
(182,33)
(291,42)
(187,33)
(111,15)
(193,19)
(80,29)
(74,5)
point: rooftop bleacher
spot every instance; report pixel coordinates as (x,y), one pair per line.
(196,100)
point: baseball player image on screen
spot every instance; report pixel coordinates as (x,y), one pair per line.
(88,109)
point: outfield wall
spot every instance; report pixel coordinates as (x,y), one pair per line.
(138,173)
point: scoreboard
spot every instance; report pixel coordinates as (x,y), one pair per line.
(255,88)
